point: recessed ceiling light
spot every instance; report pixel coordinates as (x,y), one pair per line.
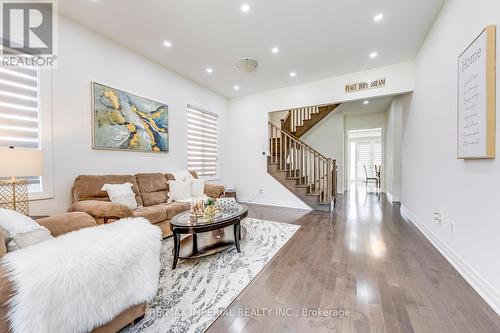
(379,17)
(366,102)
(209,70)
(245,8)
(167,43)
(373,55)
(293,74)
(236,88)
(275,50)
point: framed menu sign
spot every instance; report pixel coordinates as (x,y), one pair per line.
(476,97)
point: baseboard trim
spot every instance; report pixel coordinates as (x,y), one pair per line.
(487,292)
(390,197)
(267,202)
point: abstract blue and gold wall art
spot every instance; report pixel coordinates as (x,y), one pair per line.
(123,121)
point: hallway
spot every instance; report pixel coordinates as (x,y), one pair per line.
(365,260)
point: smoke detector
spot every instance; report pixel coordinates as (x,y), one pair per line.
(248,65)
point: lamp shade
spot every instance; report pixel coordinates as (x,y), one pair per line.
(20,162)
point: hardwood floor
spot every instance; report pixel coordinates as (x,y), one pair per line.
(365,259)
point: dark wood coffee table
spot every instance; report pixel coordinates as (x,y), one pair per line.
(207,235)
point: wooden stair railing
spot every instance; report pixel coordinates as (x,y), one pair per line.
(303,164)
(299,121)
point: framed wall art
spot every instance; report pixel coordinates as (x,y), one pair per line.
(477,97)
(123,121)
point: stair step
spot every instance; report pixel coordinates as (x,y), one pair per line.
(292,178)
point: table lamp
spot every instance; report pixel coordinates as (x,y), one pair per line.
(18,164)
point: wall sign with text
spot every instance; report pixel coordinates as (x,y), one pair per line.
(364,85)
(477,97)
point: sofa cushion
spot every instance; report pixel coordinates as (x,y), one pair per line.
(89,187)
(161,212)
(154,214)
(165,229)
(97,208)
(175,208)
(63,223)
(153,188)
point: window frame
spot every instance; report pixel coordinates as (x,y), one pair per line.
(45,135)
(44,131)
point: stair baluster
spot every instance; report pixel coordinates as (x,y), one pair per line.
(312,172)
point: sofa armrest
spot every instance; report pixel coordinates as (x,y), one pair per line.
(214,190)
(64,223)
(101,209)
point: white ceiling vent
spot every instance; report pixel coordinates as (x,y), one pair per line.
(248,65)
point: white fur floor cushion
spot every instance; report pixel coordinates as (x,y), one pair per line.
(82,280)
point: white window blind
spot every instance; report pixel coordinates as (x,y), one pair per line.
(369,154)
(19,112)
(203,141)
(364,158)
(377,153)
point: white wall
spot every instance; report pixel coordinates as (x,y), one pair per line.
(275,117)
(248,116)
(389,151)
(327,137)
(433,180)
(393,142)
(85,57)
(365,121)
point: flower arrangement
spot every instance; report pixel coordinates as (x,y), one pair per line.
(204,206)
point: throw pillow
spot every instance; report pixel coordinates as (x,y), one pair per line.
(183,176)
(121,193)
(179,190)
(13,223)
(25,239)
(197,188)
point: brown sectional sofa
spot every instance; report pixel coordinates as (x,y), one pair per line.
(151,193)
(59,225)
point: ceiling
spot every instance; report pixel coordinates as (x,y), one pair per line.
(374,105)
(316,38)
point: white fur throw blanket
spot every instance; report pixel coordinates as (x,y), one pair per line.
(84,279)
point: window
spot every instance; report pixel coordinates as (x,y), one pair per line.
(19,112)
(202,141)
(365,149)
(369,155)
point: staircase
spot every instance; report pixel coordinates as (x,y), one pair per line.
(304,171)
(299,121)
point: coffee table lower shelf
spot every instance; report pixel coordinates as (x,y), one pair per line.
(208,243)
